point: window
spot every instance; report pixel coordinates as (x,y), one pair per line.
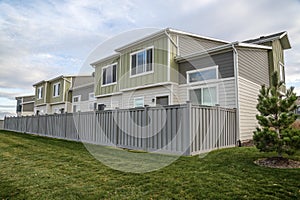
(76,99)
(91,96)
(139,102)
(56,89)
(204,96)
(40,92)
(281,71)
(109,74)
(205,74)
(141,61)
(76,108)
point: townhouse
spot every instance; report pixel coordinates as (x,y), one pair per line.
(171,67)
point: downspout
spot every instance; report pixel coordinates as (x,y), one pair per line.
(237,103)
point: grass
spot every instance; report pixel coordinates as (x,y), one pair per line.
(33,167)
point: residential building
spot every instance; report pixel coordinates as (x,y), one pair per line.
(172,67)
(54,95)
(25,105)
(83,97)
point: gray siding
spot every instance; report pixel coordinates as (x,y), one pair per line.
(82,80)
(84,92)
(28,107)
(223,60)
(254,65)
(189,45)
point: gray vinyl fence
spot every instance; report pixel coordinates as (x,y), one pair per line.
(178,129)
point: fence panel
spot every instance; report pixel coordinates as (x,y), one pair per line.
(188,129)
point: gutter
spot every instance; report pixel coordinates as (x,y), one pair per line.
(236,72)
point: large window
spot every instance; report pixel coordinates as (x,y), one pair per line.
(204,96)
(40,92)
(109,74)
(56,89)
(141,61)
(210,73)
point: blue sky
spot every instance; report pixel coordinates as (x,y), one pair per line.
(43,39)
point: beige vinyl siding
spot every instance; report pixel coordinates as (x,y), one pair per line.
(189,45)
(147,93)
(99,90)
(254,65)
(248,93)
(159,68)
(226,92)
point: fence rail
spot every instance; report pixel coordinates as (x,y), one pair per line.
(178,129)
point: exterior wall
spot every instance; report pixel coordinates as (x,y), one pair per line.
(56,108)
(111,102)
(147,93)
(223,60)
(82,80)
(226,92)
(189,45)
(160,69)
(99,90)
(248,92)
(83,92)
(45,96)
(27,107)
(44,109)
(254,65)
(59,98)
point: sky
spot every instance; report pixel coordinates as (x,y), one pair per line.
(40,40)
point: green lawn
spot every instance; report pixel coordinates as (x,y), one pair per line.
(33,167)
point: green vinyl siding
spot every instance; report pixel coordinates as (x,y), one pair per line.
(44,98)
(160,67)
(102,90)
(61,93)
(173,64)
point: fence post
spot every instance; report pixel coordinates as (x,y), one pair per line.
(145,127)
(78,126)
(66,118)
(188,135)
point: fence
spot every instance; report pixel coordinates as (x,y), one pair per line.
(1,124)
(177,129)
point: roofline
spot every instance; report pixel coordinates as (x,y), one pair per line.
(38,83)
(25,96)
(196,35)
(104,59)
(164,31)
(220,48)
(148,37)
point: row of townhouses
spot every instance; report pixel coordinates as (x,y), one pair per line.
(166,68)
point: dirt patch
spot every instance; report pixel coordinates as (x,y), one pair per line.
(278,162)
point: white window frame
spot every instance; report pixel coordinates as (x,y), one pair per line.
(55,91)
(134,99)
(146,72)
(77,107)
(92,99)
(39,91)
(201,87)
(281,72)
(105,67)
(79,99)
(216,67)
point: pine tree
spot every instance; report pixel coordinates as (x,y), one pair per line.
(276,116)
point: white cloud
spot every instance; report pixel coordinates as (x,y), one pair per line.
(41,39)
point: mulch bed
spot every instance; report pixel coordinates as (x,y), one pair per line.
(278,162)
